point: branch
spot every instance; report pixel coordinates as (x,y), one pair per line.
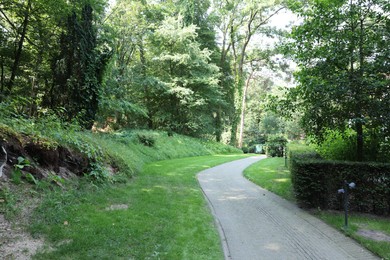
(15,28)
(269,18)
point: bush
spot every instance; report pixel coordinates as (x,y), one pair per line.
(249,149)
(316,183)
(338,145)
(300,151)
(146,140)
(275,146)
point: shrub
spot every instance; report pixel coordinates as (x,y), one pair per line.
(338,145)
(300,151)
(146,140)
(275,146)
(316,183)
(249,149)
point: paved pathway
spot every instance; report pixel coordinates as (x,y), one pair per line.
(256,224)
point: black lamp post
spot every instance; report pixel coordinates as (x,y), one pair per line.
(346,187)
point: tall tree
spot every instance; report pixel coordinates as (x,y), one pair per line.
(240,22)
(78,69)
(30,33)
(342,51)
(189,81)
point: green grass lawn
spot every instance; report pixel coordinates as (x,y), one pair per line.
(165,216)
(272,175)
(360,221)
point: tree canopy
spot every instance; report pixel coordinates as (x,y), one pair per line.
(140,64)
(343,56)
(199,68)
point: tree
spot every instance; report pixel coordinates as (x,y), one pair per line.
(163,73)
(189,81)
(78,69)
(342,51)
(33,36)
(240,22)
(126,99)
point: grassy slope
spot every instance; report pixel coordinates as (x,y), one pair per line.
(273,176)
(167,216)
(126,147)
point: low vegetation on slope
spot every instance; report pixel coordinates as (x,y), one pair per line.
(117,201)
(51,145)
(162,214)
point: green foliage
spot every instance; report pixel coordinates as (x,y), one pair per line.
(17,174)
(162,203)
(341,51)
(7,132)
(35,71)
(7,201)
(77,74)
(271,124)
(338,146)
(301,151)
(316,183)
(146,140)
(125,144)
(99,173)
(275,146)
(31,179)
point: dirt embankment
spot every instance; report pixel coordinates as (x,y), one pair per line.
(30,156)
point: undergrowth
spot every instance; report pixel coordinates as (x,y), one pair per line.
(141,146)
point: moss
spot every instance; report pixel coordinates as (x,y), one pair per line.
(44,142)
(7,133)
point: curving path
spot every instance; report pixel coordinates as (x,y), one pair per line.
(256,224)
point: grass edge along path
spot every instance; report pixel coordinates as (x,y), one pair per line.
(161,214)
(271,174)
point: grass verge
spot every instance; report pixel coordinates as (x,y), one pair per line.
(160,214)
(357,222)
(272,175)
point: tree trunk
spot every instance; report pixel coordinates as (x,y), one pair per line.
(18,53)
(218,126)
(243,105)
(2,78)
(359,141)
(145,86)
(233,131)
(359,124)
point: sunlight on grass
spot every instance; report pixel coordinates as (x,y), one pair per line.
(282,180)
(168,217)
(271,175)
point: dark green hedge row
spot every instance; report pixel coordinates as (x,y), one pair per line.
(316,183)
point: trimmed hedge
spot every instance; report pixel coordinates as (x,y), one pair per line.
(300,151)
(316,183)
